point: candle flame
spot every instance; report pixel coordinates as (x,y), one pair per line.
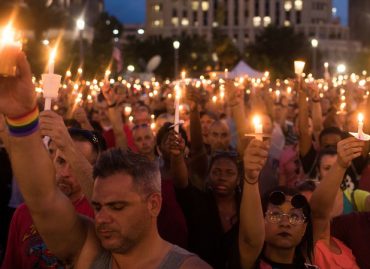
(8,35)
(256,120)
(183,75)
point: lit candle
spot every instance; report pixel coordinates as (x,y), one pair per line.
(177,107)
(68,73)
(298,68)
(258,127)
(277,96)
(9,49)
(226,73)
(128,110)
(52,56)
(360,125)
(107,74)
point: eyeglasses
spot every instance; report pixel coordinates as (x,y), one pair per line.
(295,218)
(143,125)
(279,197)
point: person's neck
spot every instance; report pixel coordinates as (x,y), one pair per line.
(151,156)
(225,200)
(75,197)
(279,255)
(150,250)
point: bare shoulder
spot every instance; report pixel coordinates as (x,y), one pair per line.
(195,263)
(91,248)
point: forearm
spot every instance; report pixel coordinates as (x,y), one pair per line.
(86,125)
(252,227)
(33,169)
(305,140)
(117,124)
(195,131)
(81,168)
(317,119)
(323,198)
(179,171)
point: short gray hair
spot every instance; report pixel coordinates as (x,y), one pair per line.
(145,173)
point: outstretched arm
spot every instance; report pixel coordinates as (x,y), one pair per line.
(179,170)
(52,212)
(115,116)
(52,125)
(252,227)
(323,198)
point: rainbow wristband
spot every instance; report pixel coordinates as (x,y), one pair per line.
(24,125)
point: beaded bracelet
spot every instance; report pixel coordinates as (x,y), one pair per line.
(24,125)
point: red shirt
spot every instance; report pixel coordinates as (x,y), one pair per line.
(25,248)
(111,140)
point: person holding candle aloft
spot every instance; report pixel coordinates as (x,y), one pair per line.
(277,232)
(124,233)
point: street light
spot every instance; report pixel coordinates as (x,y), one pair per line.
(314,44)
(176,46)
(341,68)
(80,24)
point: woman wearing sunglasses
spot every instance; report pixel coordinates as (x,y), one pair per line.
(275,233)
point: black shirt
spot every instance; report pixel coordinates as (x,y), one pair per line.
(206,236)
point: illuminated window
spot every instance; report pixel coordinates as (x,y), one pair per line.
(205,5)
(184,22)
(257,21)
(175,21)
(157,7)
(158,23)
(288,6)
(266,21)
(195,5)
(298,4)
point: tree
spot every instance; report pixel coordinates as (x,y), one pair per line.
(41,17)
(276,48)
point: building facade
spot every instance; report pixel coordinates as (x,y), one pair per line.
(359,20)
(241,20)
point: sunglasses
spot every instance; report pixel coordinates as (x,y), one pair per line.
(90,136)
(278,198)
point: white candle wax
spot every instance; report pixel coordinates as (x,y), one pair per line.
(258,128)
(360,125)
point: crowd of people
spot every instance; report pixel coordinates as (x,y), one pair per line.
(105,180)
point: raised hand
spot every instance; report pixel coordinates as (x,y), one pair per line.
(109,94)
(349,149)
(175,143)
(52,125)
(17,94)
(192,97)
(255,157)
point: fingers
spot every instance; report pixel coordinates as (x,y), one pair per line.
(23,66)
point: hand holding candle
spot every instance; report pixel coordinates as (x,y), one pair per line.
(258,128)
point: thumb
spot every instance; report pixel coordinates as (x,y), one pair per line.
(24,67)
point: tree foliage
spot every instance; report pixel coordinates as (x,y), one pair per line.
(275,49)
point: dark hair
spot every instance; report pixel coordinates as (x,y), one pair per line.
(306,246)
(145,173)
(331,151)
(331,130)
(308,185)
(209,114)
(93,137)
(229,155)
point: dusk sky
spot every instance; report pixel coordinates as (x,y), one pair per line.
(133,11)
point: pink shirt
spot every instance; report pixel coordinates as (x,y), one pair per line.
(324,258)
